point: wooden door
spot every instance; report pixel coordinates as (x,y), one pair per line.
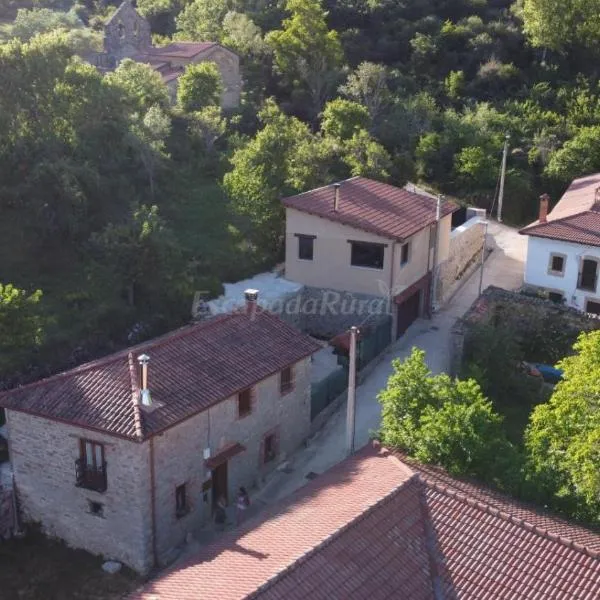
(219,483)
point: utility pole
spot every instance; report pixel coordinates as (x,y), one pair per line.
(502,176)
(434,272)
(351,408)
(482,256)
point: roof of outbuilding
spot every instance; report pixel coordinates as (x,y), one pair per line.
(179,49)
(379,208)
(190,369)
(576,216)
(378,527)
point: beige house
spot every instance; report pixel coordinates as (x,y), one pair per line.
(128,455)
(127,35)
(370,238)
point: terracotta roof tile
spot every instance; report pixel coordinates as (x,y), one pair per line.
(375,527)
(372,206)
(190,369)
(576,216)
(179,50)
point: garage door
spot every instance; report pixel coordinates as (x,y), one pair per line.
(408,312)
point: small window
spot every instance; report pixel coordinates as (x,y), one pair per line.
(286,380)
(592,307)
(96,509)
(305,247)
(556,297)
(368,255)
(244,403)
(557,264)
(121,30)
(269,447)
(181,504)
(404,254)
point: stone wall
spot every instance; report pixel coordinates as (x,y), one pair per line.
(519,311)
(465,248)
(179,452)
(229,67)
(43,454)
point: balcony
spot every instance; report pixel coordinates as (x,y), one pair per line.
(89,477)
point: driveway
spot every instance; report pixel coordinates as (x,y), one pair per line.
(503,268)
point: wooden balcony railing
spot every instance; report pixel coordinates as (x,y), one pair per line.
(90,478)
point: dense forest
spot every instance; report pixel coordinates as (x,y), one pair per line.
(117,205)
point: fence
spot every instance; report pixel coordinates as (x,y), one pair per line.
(376,339)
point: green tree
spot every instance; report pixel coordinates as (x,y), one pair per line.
(368,85)
(448,422)
(579,155)
(21,327)
(455,84)
(242,34)
(282,159)
(563,437)
(476,168)
(200,86)
(343,118)
(141,83)
(28,23)
(208,125)
(556,24)
(366,157)
(306,53)
(202,20)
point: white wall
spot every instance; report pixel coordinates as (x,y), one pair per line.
(331,268)
(537,271)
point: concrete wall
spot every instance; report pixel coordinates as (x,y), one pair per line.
(43,454)
(179,452)
(331,268)
(464,247)
(538,273)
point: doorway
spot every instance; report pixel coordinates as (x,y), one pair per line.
(219,483)
(408,312)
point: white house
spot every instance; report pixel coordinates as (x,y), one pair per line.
(563,251)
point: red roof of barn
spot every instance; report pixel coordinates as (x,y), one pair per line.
(375,527)
(576,216)
(379,208)
(190,369)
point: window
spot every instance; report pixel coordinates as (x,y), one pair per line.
(364,254)
(269,447)
(588,275)
(556,297)
(404,254)
(305,246)
(96,508)
(90,467)
(181,504)
(286,380)
(244,403)
(557,264)
(592,307)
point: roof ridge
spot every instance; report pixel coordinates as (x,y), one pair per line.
(135,392)
(414,478)
(322,187)
(510,518)
(122,354)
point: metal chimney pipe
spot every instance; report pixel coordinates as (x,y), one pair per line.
(251,302)
(143,360)
(336,197)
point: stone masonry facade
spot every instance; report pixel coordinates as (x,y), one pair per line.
(43,454)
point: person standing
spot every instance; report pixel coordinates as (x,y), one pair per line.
(243,502)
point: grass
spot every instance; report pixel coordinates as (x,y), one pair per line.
(37,568)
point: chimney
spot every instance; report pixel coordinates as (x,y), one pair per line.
(544,199)
(336,197)
(143,360)
(251,302)
(438,207)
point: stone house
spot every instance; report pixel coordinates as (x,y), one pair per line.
(371,239)
(127,35)
(563,247)
(127,455)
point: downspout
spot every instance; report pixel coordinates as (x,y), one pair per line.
(391,288)
(153,504)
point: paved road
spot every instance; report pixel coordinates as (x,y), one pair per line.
(503,268)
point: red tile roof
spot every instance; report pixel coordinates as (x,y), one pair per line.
(374,527)
(576,216)
(379,208)
(190,369)
(179,50)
